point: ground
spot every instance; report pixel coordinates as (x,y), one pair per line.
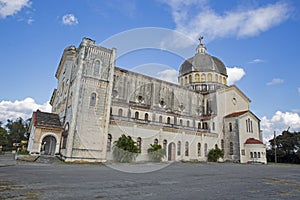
(24,180)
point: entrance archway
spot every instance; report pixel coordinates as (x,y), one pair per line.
(48,145)
(171,151)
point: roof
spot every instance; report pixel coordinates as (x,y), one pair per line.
(236,114)
(46,119)
(253,141)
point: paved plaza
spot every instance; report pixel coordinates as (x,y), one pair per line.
(25,180)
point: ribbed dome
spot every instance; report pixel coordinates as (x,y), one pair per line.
(202,62)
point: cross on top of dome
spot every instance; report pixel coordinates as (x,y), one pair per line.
(201,47)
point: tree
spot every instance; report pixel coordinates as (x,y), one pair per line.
(3,136)
(17,130)
(287,148)
(125,149)
(156,152)
(215,154)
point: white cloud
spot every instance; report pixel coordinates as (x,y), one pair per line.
(69,19)
(257,60)
(194,17)
(11,7)
(275,81)
(279,122)
(169,75)
(235,74)
(23,108)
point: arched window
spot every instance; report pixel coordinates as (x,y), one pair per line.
(199,125)
(188,123)
(146,116)
(190,78)
(155,141)
(230,127)
(109,141)
(160,119)
(178,148)
(136,115)
(231,148)
(216,146)
(197,77)
(224,81)
(180,122)
(168,120)
(199,149)
(203,77)
(222,144)
(186,149)
(220,79)
(216,78)
(96,68)
(209,77)
(251,154)
(120,112)
(139,144)
(213,126)
(205,149)
(165,142)
(255,155)
(205,125)
(93,99)
(186,80)
(258,154)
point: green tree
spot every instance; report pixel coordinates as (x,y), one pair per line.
(125,149)
(215,154)
(156,152)
(3,136)
(17,130)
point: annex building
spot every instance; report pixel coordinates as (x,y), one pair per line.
(96,102)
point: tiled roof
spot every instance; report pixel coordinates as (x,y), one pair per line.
(253,141)
(46,119)
(236,114)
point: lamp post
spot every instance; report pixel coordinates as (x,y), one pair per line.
(275,147)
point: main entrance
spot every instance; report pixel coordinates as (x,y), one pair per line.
(171,151)
(48,145)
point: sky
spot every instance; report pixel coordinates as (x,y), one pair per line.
(257,40)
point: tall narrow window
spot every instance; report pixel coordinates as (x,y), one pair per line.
(165,142)
(209,77)
(139,144)
(146,116)
(255,155)
(186,148)
(188,123)
(178,148)
(203,77)
(160,119)
(136,115)
(199,125)
(109,141)
(96,68)
(180,122)
(93,99)
(197,78)
(213,126)
(168,120)
(216,146)
(231,148)
(222,144)
(251,155)
(258,155)
(120,112)
(205,149)
(230,127)
(190,78)
(199,149)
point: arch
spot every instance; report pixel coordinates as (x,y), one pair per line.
(136,115)
(197,77)
(209,77)
(146,116)
(93,99)
(48,146)
(186,152)
(171,151)
(96,68)
(49,134)
(120,112)
(109,141)
(178,148)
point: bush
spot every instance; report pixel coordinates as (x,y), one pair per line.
(156,152)
(125,149)
(215,154)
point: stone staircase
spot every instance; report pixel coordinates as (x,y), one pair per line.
(47,159)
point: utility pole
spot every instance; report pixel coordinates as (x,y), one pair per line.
(275,147)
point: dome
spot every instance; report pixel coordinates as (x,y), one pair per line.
(202,62)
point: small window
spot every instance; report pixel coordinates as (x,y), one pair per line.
(255,155)
(197,78)
(186,148)
(165,142)
(251,154)
(139,144)
(178,148)
(188,123)
(230,127)
(136,115)
(213,126)
(180,122)
(93,100)
(216,146)
(155,141)
(258,154)
(231,148)
(146,117)
(199,125)
(160,119)
(109,141)
(120,112)
(243,152)
(199,149)
(168,120)
(96,68)
(222,144)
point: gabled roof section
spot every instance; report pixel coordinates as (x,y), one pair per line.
(253,141)
(234,87)
(46,119)
(240,113)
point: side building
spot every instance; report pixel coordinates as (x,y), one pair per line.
(97,102)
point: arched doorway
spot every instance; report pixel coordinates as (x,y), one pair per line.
(171,151)
(48,145)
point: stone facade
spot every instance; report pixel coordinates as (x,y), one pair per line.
(98,102)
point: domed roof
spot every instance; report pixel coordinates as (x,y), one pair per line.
(202,62)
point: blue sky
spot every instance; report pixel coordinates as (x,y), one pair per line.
(257,40)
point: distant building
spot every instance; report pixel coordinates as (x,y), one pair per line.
(97,102)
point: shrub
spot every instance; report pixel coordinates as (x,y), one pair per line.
(215,154)
(125,149)
(156,152)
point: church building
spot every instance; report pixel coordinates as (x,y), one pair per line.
(96,102)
